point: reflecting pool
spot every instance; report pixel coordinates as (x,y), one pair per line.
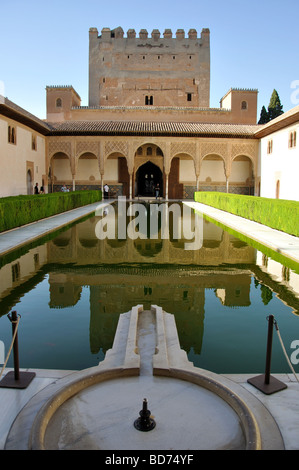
(70,290)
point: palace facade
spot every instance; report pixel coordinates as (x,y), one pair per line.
(148,122)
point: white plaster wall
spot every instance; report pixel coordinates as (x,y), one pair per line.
(213,169)
(187,171)
(111,169)
(88,167)
(240,171)
(62,169)
(282,164)
(13,158)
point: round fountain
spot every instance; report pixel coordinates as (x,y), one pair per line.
(190,408)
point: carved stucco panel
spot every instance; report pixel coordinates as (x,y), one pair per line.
(116,146)
(60,146)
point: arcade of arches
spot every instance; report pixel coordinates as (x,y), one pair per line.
(134,166)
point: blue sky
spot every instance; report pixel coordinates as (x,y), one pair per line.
(254,44)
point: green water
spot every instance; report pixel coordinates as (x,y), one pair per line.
(70,291)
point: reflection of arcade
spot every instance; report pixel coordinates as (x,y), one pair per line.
(122,274)
(131,272)
(80,245)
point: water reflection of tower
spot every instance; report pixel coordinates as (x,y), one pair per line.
(184,300)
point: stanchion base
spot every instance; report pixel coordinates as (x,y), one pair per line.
(24,380)
(273,386)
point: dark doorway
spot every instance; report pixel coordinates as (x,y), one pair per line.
(147,178)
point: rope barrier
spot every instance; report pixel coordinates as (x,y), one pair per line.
(284,351)
(11,346)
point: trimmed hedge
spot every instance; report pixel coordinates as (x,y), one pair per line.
(21,210)
(279,214)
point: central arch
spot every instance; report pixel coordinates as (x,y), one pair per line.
(148,176)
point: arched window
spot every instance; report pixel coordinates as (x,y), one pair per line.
(292,139)
(244,105)
(58,103)
(149,100)
(11,135)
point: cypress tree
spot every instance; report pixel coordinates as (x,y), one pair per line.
(264,117)
(275,106)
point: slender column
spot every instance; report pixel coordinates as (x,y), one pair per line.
(166,186)
(131,187)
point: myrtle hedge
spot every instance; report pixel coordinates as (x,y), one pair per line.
(21,210)
(279,214)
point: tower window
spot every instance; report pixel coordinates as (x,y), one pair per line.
(149,100)
(189,96)
(244,105)
(58,103)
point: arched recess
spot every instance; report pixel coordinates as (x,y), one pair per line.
(182,177)
(60,171)
(88,174)
(29,182)
(147,177)
(212,173)
(241,179)
(116,174)
(148,170)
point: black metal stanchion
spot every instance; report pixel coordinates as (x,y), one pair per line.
(16,379)
(266,383)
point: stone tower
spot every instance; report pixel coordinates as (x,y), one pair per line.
(149,71)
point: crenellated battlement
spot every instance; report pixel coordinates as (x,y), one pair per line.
(118,33)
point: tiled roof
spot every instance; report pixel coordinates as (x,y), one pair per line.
(152,128)
(129,128)
(12,110)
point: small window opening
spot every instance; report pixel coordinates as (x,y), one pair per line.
(270,146)
(292,139)
(33,143)
(11,135)
(149,100)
